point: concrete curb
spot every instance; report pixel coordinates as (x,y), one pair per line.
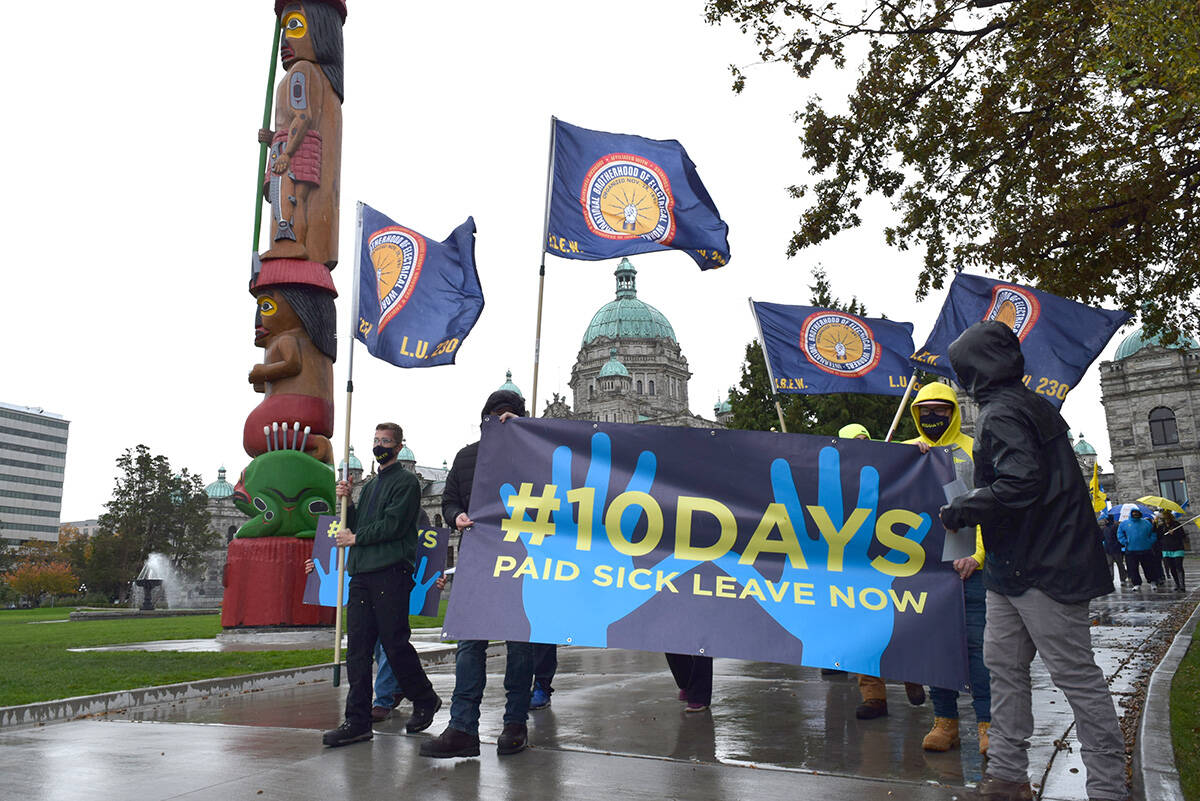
(1155,775)
(86,706)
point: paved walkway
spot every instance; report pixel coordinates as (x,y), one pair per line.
(614,730)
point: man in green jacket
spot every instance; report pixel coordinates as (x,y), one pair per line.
(382,528)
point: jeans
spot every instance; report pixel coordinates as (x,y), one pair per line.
(387,689)
(377,610)
(470,677)
(545,665)
(1019,626)
(945,702)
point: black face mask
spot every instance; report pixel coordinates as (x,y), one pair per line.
(934,426)
(385,454)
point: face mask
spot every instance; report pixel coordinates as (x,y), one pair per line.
(384,454)
(934,426)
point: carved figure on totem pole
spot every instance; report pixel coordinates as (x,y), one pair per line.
(303,178)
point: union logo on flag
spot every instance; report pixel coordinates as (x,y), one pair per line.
(397,254)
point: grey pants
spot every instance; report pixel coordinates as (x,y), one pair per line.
(1018,626)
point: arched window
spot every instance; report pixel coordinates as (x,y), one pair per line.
(651,386)
(639,387)
(591,390)
(1162,427)
(229,534)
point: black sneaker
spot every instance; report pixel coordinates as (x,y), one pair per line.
(513,739)
(915,693)
(451,743)
(871,709)
(422,715)
(345,734)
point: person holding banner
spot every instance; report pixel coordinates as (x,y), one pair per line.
(461,737)
(382,527)
(1044,565)
(939,424)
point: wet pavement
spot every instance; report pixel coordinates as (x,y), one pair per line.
(615,728)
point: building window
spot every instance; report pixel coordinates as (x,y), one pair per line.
(651,386)
(591,390)
(1170,485)
(229,534)
(639,387)
(1162,427)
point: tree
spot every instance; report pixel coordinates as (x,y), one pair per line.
(153,510)
(35,579)
(1055,142)
(753,404)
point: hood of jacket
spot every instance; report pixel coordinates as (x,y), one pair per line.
(985,356)
(938,392)
(853,430)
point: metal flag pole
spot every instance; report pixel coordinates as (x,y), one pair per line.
(264,146)
(537,337)
(341,552)
(900,409)
(762,343)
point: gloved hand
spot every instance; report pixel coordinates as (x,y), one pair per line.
(952,518)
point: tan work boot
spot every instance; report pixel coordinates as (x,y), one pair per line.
(943,736)
(983,737)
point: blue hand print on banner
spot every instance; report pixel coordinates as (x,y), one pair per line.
(416,599)
(594,608)
(328,583)
(822,627)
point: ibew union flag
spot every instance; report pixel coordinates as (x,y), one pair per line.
(417,299)
(619,195)
(815,351)
(1060,338)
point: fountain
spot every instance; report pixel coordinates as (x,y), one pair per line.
(150,579)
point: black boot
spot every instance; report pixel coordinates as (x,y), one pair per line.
(345,734)
(871,709)
(422,715)
(513,739)
(451,743)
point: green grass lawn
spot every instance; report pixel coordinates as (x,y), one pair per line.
(1185,721)
(38,666)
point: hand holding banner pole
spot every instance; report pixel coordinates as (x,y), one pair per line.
(537,337)
(767,361)
(900,409)
(341,552)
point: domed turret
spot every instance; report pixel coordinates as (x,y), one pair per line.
(626,317)
(1084,448)
(613,366)
(1137,340)
(509,385)
(219,488)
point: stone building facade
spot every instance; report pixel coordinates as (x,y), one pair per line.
(1151,397)
(630,368)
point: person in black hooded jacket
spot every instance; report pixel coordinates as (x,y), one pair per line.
(1044,564)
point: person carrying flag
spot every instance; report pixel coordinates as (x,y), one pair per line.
(939,424)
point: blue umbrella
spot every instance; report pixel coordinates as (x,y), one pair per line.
(1120,511)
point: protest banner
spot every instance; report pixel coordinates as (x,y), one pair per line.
(783,548)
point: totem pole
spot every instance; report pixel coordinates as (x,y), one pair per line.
(290,481)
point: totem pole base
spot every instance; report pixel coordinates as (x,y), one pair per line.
(264,584)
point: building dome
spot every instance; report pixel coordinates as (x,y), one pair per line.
(406,455)
(219,488)
(355,464)
(626,317)
(1084,448)
(613,366)
(722,407)
(509,386)
(1138,340)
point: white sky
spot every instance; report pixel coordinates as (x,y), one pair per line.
(130,154)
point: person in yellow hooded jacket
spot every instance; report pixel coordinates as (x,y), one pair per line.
(939,424)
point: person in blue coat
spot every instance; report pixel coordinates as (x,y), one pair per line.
(1137,536)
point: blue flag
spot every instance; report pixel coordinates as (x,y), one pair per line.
(814,351)
(417,299)
(1059,338)
(618,195)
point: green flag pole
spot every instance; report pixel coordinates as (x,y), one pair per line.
(263,146)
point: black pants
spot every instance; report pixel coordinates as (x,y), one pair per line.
(545,665)
(693,675)
(1175,568)
(1151,565)
(378,610)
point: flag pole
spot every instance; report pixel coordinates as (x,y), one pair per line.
(263,146)
(341,552)
(537,337)
(900,409)
(767,362)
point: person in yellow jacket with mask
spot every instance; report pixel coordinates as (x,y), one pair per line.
(939,423)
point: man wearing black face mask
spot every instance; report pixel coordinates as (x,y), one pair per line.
(382,527)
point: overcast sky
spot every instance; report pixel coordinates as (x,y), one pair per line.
(130,166)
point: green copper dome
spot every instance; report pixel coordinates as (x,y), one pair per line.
(509,385)
(219,488)
(1137,340)
(406,455)
(613,366)
(627,317)
(1084,448)
(355,464)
